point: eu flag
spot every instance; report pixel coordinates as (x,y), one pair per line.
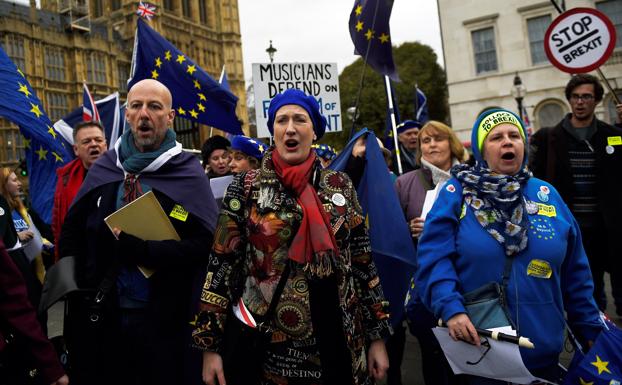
(45,150)
(369,29)
(196,96)
(602,365)
(392,247)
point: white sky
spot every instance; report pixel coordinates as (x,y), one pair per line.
(317,30)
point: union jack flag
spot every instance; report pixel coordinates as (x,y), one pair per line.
(146,10)
(89,108)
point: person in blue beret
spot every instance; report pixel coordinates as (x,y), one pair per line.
(495,226)
(325,153)
(407,134)
(292,259)
(246,153)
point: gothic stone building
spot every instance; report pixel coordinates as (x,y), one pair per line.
(65,42)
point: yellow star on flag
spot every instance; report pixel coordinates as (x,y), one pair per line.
(158,62)
(601,365)
(24,89)
(201,96)
(35,110)
(197,85)
(359,26)
(21,73)
(167,55)
(194,113)
(261,150)
(26,143)
(191,69)
(154,74)
(52,132)
(58,157)
(358,10)
(369,34)
(583,382)
(42,153)
(180,59)
(201,107)
(384,38)
(181,111)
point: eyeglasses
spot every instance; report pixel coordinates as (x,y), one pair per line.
(584,97)
(486,346)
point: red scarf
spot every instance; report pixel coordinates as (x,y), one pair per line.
(315,235)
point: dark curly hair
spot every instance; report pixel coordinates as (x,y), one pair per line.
(580,79)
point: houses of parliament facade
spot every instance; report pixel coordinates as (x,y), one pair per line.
(65,42)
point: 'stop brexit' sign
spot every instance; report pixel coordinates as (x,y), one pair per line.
(580,40)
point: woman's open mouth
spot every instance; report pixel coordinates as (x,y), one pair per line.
(291,144)
(508,156)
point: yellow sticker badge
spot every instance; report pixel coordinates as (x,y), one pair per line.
(539,269)
(179,212)
(614,140)
(547,210)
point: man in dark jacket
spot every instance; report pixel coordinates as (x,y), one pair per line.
(89,143)
(407,134)
(135,328)
(582,158)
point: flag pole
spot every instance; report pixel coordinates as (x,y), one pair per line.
(360,90)
(387,82)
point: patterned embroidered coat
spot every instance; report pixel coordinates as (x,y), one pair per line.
(258,220)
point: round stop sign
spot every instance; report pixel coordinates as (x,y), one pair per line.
(580,40)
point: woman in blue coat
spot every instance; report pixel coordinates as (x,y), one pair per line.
(494,220)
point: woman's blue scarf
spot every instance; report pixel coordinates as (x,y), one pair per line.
(497,202)
(134,161)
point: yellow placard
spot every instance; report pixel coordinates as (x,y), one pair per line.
(179,212)
(539,269)
(614,140)
(214,299)
(547,210)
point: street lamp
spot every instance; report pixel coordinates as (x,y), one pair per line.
(352,113)
(271,51)
(519,91)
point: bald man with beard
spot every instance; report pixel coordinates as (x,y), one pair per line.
(133,329)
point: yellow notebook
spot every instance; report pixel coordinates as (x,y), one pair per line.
(143,218)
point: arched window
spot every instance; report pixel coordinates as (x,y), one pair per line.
(549,113)
(611,115)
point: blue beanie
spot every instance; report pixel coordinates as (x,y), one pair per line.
(249,146)
(407,125)
(325,151)
(299,98)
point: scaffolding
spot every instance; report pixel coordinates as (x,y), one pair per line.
(76,14)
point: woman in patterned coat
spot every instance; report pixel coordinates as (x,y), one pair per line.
(330,319)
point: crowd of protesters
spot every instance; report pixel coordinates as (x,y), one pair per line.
(276,284)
